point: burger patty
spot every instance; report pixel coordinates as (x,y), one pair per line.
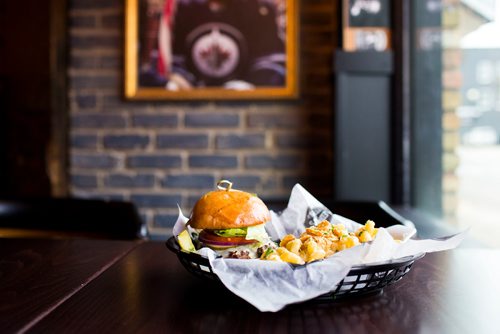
(239,254)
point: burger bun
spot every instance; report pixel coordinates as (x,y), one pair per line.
(224,209)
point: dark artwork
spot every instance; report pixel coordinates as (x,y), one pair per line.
(234,44)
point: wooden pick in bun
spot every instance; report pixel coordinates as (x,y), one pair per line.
(228,217)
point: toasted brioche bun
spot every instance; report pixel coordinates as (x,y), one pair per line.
(222,209)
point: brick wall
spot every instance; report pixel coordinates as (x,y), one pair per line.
(452,82)
(160,154)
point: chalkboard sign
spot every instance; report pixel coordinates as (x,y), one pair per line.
(366,25)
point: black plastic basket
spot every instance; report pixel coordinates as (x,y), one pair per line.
(361,280)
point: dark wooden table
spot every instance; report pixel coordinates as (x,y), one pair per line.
(126,287)
(37,276)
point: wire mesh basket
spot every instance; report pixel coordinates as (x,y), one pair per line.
(361,280)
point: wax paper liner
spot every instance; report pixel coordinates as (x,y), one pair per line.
(270,285)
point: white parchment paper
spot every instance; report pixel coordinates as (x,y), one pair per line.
(270,286)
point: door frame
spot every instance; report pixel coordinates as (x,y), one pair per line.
(57,154)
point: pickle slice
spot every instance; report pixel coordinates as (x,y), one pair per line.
(185,241)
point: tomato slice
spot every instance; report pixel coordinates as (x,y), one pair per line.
(212,239)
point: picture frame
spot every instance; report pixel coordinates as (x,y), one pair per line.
(211,50)
(366,25)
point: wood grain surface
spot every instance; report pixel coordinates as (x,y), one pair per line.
(38,275)
(149,291)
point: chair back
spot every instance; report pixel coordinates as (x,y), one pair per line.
(71,217)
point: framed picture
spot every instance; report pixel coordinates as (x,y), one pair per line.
(211,49)
(366,25)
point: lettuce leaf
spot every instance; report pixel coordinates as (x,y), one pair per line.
(257,232)
(232,232)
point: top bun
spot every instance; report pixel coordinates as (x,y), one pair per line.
(222,209)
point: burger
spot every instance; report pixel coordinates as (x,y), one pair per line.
(231,222)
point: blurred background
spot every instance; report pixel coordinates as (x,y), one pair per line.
(399,101)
